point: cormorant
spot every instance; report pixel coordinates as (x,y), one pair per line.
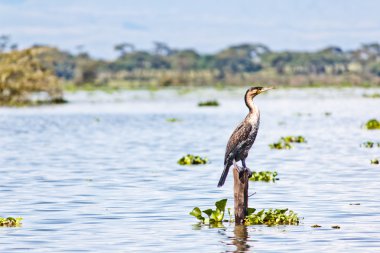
(244,135)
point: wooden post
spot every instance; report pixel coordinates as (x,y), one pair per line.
(240,196)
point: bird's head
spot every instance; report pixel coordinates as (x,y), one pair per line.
(254,91)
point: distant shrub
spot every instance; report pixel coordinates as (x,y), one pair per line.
(22,74)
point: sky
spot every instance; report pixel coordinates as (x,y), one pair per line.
(205,25)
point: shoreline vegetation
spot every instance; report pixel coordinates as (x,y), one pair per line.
(41,74)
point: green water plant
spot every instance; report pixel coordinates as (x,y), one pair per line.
(370,144)
(372,124)
(10,222)
(264,176)
(373,95)
(375,161)
(209,103)
(192,160)
(280,145)
(172,120)
(284,142)
(270,217)
(294,139)
(214,216)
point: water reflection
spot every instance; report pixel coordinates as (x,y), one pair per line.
(240,239)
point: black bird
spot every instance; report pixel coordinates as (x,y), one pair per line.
(244,135)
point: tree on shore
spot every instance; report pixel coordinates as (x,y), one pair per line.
(22,75)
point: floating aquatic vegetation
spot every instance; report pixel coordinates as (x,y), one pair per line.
(284,142)
(372,124)
(265,176)
(209,103)
(172,120)
(375,161)
(270,217)
(214,216)
(296,139)
(280,145)
(191,159)
(370,144)
(373,95)
(10,222)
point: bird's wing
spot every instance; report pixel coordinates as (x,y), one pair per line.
(238,137)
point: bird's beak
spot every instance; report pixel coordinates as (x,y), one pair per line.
(266,89)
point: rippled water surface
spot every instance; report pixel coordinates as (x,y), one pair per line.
(100,174)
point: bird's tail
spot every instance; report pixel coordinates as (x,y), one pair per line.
(224,175)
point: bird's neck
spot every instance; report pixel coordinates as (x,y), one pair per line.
(251,106)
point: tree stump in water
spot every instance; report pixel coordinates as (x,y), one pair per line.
(241,196)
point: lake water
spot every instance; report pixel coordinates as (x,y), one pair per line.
(100,175)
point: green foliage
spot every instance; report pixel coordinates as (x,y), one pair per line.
(172,120)
(22,74)
(10,222)
(373,95)
(265,176)
(370,144)
(372,124)
(237,64)
(191,159)
(295,139)
(375,161)
(272,217)
(214,216)
(284,142)
(280,145)
(209,103)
